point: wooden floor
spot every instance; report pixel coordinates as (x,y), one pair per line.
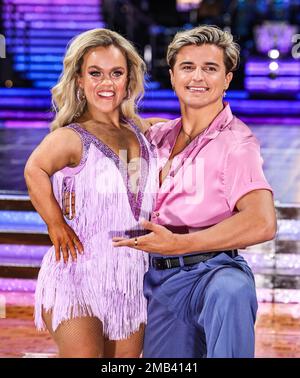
(277,330)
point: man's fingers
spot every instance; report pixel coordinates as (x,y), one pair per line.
(118,238)
(136,243)
(149,225)
(123,243)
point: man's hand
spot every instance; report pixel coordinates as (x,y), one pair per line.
(65,241)
(160,240)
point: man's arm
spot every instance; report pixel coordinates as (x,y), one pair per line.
(254,223)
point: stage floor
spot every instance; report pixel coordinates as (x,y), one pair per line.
(277,331)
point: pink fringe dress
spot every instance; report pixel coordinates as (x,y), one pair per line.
(105,282)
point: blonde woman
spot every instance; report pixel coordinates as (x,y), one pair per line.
(90,295)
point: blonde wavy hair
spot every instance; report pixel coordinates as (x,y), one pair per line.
(64,93)
(206,34)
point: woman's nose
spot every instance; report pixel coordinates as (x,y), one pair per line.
(106,79)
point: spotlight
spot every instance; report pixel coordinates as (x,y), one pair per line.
(273,54)
(273,66)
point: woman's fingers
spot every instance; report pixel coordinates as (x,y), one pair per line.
(57,251)
(65,252)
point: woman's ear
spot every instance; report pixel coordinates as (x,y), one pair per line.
(79,81)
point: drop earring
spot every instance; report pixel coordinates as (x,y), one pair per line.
(80,95)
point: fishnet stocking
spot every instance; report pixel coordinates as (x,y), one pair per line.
(78,337)
(129,348)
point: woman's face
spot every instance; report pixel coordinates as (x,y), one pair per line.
(104,78)
(199,76)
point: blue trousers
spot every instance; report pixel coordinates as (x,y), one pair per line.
(205,310)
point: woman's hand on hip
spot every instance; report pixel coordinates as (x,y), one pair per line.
(65,241)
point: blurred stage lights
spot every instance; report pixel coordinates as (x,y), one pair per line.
(273,54)
(8,83)
(273,66)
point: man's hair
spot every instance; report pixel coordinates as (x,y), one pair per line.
(206,34)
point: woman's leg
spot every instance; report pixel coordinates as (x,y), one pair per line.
(78,337)
(127,348)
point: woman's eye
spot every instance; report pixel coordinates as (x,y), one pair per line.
(117,73)
(95,73)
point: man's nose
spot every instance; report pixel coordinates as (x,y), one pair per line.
(198,74)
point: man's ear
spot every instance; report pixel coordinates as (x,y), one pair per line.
(171,78)
(228,79)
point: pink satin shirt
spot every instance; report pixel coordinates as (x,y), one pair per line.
(210,175)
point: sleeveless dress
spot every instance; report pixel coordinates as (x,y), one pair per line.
(105,282)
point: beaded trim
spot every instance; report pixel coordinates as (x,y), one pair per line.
(88,138)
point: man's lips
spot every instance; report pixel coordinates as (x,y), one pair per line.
(196,89)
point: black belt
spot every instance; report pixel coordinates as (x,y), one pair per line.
(160,263)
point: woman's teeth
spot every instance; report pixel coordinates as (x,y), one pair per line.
(105,94)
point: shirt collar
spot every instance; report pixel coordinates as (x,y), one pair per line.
(221,121)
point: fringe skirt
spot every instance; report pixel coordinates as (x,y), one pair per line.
(107,285)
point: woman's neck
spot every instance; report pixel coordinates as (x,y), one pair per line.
(94,116)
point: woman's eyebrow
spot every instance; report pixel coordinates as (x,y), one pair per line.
(113,68)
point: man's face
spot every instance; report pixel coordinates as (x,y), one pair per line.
(199,75)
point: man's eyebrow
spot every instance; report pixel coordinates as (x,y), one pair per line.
(212,64)
(186,62)
(206,63)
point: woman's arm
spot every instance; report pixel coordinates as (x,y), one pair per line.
(59,149)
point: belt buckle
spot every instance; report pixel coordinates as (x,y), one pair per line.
(168,262)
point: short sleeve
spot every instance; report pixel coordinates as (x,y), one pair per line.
(243,172)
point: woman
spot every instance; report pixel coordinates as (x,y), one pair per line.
(91,301)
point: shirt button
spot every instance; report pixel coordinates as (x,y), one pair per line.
(157,214)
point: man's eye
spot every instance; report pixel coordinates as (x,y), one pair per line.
(211,69)
(187,68)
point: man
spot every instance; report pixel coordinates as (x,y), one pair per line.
(213,199)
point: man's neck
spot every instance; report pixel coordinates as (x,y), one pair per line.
(194,121)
